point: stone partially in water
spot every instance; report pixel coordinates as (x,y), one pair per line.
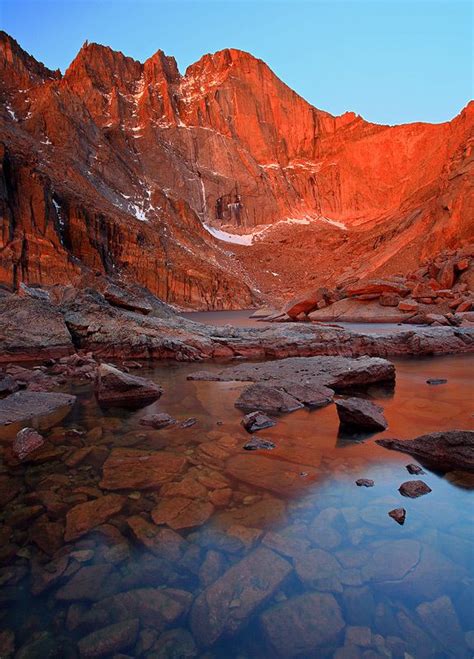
(27,441)
(257,421)
(446,450)
(33,408)
(414,469)
(365,482)
(140,470)
(359,413)
(302,624)
(414,489)
(436,381)
(157,421)
(109,640)
(84,517)
(246,585)
(399,515)
(267,398)
(113,387)
(257,443)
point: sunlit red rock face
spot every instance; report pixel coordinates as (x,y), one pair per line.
(114,167)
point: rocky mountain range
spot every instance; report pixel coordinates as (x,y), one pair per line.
(216,188)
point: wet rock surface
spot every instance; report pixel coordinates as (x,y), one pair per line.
(399,515)
(113,387)
(257,421)
(441,450)
(24,407)
(414,489)
(27,441)
(137,469)
(357,413)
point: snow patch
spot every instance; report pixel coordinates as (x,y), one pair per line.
(10,111)
(236,239)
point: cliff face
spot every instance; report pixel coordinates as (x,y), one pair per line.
(117,168)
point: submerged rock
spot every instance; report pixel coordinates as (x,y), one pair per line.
(447,450)
(181,512)
(257,421)
(27,441)
(227,604)
(358,413)
(414,489)
(300,625)
(85,516)
(140,470)
(113,387)
(109,640)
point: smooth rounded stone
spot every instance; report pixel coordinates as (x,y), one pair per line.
(267,398)
(109,640)
(89,583)
(358,413)
(318,569)
(436,381)
(447,450)
(365,482)
(86,516)
(399,515)
(257,421)
(27,441)
(441,621)
(174,644)
(165,543)
(134,469)
(114,387)
(33,408)
(157,421)
(217,610)
(259,444)
(300,625)
(181,512)
(414,469)
(414,489)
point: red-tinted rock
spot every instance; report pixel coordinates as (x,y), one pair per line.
(110,640)
(414,489)
(86,516)
(27,441)
(140,470)
(358,413)
(113,387)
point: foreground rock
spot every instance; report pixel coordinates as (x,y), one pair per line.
(414,489)
(38,409)
(228,603)
(257,421)
(158,421)
(113,387)
(27,441)
(336,373)
(299,626)
(358,413)
(140,470)
(399,515)
(109,640)
(32,329)
(271,400)
(453,449)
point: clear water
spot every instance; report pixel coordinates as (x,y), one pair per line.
(356,584)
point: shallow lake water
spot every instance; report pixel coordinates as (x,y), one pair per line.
(256,553)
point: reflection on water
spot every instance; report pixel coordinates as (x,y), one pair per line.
(240,554)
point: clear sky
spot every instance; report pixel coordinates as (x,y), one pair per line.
(391,61)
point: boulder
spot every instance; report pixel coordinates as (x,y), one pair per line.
(358,413)
(113,387)
(118,297)
(377,286)
(408,305)
(27,441)
(447,450)
(301,625)
(257,421)
(140,470)
(414,489)
(33,408)
(351,310)
(227,604)
(266,398)
(306,303)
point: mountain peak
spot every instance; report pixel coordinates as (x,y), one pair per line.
(18,68)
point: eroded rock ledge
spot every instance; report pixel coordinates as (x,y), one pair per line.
(85,321)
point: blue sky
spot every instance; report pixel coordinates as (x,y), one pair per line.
(390,61)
